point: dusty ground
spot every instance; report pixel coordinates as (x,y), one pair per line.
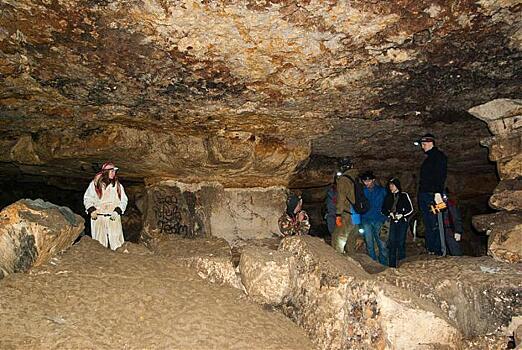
(92,298)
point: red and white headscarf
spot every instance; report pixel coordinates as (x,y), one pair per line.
(107,166)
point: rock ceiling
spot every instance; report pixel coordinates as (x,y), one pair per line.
(245,91)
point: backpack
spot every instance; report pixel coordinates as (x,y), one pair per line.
(362,204)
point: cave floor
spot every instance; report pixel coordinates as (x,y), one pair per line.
(93,298)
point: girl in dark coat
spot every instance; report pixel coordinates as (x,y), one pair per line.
(397,206)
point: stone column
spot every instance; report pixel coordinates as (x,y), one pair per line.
(504,119)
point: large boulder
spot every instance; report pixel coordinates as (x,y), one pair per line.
(173,209)
(343,307)
(247,213)
(505,235)
(33,231)
(478,294)
(267,274)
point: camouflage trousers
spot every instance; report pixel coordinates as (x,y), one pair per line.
(344,237)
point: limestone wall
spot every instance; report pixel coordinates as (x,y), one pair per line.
(504,119)
(209,209)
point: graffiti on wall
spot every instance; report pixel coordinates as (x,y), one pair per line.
(175,213)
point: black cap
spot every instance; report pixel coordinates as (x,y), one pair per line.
(367,175)
(427,138)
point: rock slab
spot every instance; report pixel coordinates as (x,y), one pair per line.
(343,307)
(267,274)
(479,295)
(209,209)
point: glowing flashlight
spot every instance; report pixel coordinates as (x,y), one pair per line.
(416,143)
(361,231)
(338,173)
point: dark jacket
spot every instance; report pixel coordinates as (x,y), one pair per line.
(433,171)
(452,219)
(376,198)
(403,205)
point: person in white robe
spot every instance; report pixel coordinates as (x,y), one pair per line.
(105,201)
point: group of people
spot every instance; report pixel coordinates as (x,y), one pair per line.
(358,205)
(355,205)
(394,205)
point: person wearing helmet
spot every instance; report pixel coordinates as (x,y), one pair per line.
(345,232)
(105,201)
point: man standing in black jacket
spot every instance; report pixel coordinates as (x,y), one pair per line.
(432,180)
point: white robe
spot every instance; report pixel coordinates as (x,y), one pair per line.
(103,229)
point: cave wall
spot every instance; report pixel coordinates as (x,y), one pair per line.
(236,159)
(504,227)
(168,207)
(243,93)
(209,209)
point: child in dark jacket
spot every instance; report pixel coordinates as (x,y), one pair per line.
(452,225)
(397,206)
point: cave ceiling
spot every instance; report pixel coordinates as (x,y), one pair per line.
(244,92)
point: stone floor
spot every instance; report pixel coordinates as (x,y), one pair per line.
(93,298)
